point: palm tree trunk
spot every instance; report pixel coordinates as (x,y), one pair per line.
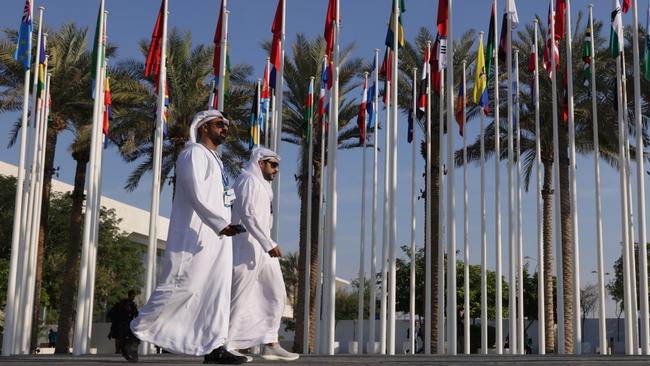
(547,199)
(567,240)
(68,290)
(299,311)
(50,149)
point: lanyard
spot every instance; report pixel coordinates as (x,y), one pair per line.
(224,178)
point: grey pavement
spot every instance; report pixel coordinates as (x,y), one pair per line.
(401,360)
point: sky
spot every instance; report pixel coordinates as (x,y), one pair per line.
(363,22)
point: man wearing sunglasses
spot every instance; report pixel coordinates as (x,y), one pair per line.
(189,310)
(258,293)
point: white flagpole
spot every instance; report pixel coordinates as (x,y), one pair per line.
(10,308)
(520,220)
(512,262)
(321,232)
(362,246)
(277,123)
(602,319)
(412,332)
(451,199)
(81,323)
(497,195)
(427,224)
(156,176)
(624,209)
(222,56)
(384,249)
(256,131)
(577,328)
(556,192)
(373,234)
(641,222)
(310,169)
(466,309)
(331,186)
(441,244)
(484,292)
(393,187)
(541,335)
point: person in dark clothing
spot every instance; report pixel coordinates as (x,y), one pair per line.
(121,315)
(51,338)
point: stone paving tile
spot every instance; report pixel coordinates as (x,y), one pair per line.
(400,360)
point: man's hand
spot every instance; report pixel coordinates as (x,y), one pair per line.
(229,231)
(275,252)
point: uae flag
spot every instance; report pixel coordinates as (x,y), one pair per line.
(616,33)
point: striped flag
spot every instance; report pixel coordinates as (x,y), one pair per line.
(108,109)
(370,104)
(99,49)
(216,59)
(443,31)
(23,52)
(276,46)
(560,17)
(531,69)
(422,94)
(309,108)
(330,27)
(322,110)
(42,70)
(253,121)
(265,98)
(400,29)
(154,56)
(361,117)
(551,47)
(434,64)
(616,34)
(489,54)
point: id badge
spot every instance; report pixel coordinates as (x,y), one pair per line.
(228,197)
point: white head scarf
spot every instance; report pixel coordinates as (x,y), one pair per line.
(253,169)
(200,119)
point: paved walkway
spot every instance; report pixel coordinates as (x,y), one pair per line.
(401,360)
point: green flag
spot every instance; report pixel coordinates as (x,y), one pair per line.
(616,34)
(586,58)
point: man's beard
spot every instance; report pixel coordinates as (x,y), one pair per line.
(218,139)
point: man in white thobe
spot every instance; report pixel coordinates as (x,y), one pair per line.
(258,293)
(189,310)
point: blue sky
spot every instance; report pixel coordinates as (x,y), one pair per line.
(364,23)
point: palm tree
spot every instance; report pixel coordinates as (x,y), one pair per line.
(608,137)
(412,55)
(188,73)
(306,62)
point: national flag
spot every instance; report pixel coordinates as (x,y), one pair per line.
(386,74)
(489,54)
(503,40)
(254,126)
(626,6)
(515,90)
(265,98)
(322,111)
(443,32)
(646,54)
(154,56)
(409,132)
(276,51)
(99,49)
(361,116)
(330,28)
(218,38)
(400,29)
(560,17)
(42,70)
(108,109)
(309,108)
(532,58)
(370,105)
(460,108)
(551,48)
(23,52)
(422,95)
(616,34)
(586,58)
(435,67)
(511,9)
(480,79)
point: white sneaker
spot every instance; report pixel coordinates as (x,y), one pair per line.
(277,353)
(236,353)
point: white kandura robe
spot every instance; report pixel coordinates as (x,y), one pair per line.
(258,292)
(188,312)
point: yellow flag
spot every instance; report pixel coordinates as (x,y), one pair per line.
(480,79)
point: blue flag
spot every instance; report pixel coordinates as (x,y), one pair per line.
(370,104)
(23,52)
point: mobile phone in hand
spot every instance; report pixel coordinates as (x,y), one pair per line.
(239,228)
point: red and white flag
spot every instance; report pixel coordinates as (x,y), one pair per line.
(551,48)
(361,117)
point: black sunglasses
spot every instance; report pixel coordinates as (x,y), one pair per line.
(273,164)
(219,124)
